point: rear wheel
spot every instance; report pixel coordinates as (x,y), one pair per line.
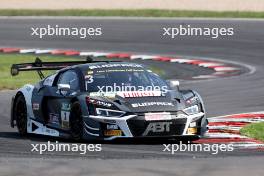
(20,113)
(76,122)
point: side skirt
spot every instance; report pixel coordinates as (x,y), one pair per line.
(35,127)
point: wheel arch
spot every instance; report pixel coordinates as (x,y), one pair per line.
(204,121)
(25,91)
(14,99)
(200,99)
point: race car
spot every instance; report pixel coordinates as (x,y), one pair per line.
(105,100)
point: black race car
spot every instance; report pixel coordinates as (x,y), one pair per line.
(105,100)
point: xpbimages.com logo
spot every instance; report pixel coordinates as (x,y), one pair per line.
(190,147)
(128,88)
(82,33)
(188,30)
(64,147)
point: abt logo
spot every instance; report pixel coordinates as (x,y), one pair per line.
(157,127)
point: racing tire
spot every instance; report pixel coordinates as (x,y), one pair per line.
(76,122)
(20,114)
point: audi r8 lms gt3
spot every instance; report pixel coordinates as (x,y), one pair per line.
(105,100)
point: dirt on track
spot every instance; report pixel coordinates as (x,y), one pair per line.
(213,5)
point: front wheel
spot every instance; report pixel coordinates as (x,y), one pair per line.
(20,113)
(76,122)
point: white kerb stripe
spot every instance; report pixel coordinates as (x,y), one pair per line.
(144,57)
(181,60)
(204,76)
(27,51)
(87,53)
(210,64)
(234,128)
(94,54)
(223,135)
(248,145)
(99,54)
(135,57)
(226,69)
(42,51)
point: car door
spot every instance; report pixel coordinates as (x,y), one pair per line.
(40,94)
(58,101)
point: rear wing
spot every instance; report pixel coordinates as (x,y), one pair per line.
(39,66)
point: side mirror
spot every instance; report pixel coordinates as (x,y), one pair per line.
(174,84)
(64,88)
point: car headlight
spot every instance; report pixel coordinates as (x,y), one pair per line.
(192,110)
(109,112)
(192,100)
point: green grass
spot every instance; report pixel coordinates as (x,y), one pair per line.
(9,82)
(131,13)
(254,130)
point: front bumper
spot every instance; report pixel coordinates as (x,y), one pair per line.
(134,126)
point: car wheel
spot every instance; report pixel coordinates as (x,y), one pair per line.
(20,113)
(76,123)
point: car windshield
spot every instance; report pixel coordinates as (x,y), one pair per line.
(122,79)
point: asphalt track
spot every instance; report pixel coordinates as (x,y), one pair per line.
(222,96)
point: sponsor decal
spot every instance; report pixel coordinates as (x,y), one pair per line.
(54,118)
(89,79)
(120,70)
(101,103)
(192,130)
(114,65)
(134,94)
(157,127)
(128,94)
(65,115)
(38,128)
(65,119)
(113,133)
(112,127)
(51,132)
(35,106)
(108,121)
(145,104)
(158,116)
(104,94)
(192,124)
(101,72)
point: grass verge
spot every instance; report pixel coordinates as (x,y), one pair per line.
(9,82)
(254,130)
(131,13)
